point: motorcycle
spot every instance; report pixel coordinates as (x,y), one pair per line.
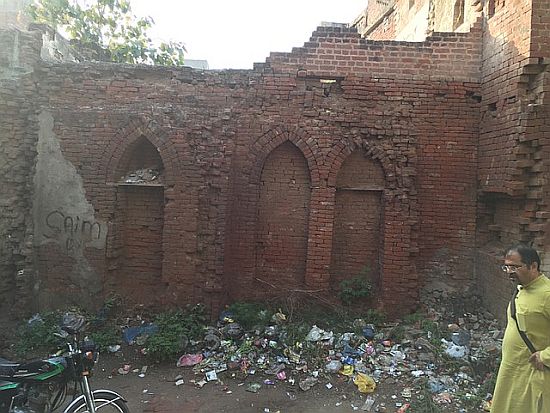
(41,386)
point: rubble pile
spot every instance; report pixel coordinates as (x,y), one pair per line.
(143,176)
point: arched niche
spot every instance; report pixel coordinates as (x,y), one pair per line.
(136,255)
(141,156)
(282,217)
(357,243)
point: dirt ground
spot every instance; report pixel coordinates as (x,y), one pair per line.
(157,392)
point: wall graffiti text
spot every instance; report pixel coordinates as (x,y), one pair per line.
(74,230)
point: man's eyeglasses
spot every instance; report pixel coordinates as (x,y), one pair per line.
(510,267)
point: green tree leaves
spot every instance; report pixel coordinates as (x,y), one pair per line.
(108,25)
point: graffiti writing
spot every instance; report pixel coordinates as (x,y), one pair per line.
(74,230)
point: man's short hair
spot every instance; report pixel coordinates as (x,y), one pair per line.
(528,255)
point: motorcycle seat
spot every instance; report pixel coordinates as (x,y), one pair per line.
(5,383)
(8,368)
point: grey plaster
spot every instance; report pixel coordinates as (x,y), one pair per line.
(61,212)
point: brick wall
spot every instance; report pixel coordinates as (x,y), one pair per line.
(377,8)
(283,210)
(441,189)
(394,130)
(496,288)
(136,266)
(411,20)
(337,52)
(539,44)
(357,243)
(18,54)
(382,20)
(256,168)
(506,51)
(512,150)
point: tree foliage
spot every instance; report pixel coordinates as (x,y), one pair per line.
(108,25)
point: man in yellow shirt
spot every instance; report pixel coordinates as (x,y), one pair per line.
(523,381)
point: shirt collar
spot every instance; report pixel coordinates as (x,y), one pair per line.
(534,282)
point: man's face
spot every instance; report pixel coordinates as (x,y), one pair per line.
(518,271)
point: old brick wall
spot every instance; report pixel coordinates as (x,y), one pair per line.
(411,20)
(455,15)
(358,216)
(261,173)
(513,146)
(135,264)
(506,44)
(18,54)
(346,94)
(377,8)
(164,241)
(139,268)
(283,211)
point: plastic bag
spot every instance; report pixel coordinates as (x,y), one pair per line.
(364,383)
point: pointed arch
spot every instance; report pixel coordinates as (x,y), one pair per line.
(140,220)
(139,128)
(341,151)
(398,238)
(272,139)
(242,249)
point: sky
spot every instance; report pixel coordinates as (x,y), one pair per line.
(236,33)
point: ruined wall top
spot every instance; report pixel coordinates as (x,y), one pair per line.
(336,51)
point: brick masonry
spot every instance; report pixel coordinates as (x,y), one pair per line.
(513,145)
(358,216)
(17,155)
(282,217)
(252,179)
(342,154)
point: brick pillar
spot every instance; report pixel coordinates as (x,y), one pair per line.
(399,279)
(319,244)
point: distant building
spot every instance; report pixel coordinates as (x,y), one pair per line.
(196,64)
(333,24)
(414,20)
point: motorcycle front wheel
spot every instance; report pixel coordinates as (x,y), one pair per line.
(105,402)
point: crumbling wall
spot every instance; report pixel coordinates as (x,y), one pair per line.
(174,186)
(163,240)
(358,215)
(513,148)
(19,53)
(345,94)
(64,225)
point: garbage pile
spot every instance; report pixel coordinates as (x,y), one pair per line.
(440,354)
